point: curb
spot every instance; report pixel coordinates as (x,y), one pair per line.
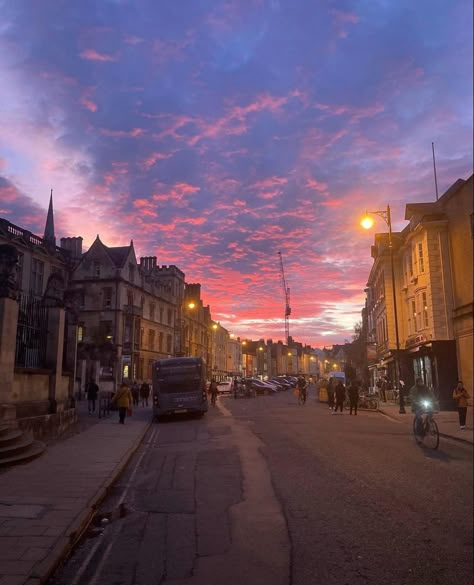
(444,435)
(66,543)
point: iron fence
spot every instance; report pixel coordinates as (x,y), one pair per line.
(32,333)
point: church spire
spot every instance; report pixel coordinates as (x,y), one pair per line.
(49,236)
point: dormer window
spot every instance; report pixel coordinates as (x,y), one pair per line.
(96,269)
(131,273)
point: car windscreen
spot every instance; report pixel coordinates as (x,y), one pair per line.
(178,379)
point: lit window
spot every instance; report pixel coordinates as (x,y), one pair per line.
(425,310)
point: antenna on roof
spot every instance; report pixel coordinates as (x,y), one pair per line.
(434,167)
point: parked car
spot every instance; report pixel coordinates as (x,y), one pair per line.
(281,383)
(224,387)
(261,387)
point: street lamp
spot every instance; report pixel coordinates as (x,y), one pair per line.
(367,222)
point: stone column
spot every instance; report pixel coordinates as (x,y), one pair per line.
(54,354)
(8,325)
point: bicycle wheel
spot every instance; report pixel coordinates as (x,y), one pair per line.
(431,438)
(416,431)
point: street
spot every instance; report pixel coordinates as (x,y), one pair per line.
(263,491)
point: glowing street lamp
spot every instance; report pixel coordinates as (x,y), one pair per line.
(367,223)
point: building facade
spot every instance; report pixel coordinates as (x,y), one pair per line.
(433,293)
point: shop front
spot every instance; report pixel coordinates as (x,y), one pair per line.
(436,363)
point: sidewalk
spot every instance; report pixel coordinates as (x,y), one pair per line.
(448,421)
(47,503)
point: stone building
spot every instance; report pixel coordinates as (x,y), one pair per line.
(433,293)
(128,313)
(38,327)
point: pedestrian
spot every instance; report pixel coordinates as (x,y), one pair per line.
(123,399)
(92,393)
(461,397)
(340,393)
(330,389)
(135,393)
(383,389)
(213,391)
(353,393)
(144,393)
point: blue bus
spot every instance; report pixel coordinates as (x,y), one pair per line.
(179,386)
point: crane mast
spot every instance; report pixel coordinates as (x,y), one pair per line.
(286,291)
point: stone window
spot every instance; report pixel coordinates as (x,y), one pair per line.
(107,297)
(37,274)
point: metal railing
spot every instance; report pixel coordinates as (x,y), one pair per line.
(32,333)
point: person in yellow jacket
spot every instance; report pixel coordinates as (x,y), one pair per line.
(461,396)
(123,400)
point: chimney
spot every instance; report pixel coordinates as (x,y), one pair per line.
(73,245)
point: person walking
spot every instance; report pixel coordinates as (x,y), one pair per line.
(92,393)
(123,399)
(144,393)
(340,393)
(135,393)
(461,396)
(213,391)
(353,393)
(330,389)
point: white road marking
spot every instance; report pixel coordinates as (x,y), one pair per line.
(115,532)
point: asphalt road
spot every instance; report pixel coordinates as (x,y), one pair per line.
(265,492)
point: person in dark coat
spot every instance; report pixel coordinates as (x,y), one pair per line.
(353,393)
(92,393)
(144,393)
(340,392)
(330,390)
(135,393)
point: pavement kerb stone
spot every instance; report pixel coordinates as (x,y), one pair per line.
(445,435)
(66,543)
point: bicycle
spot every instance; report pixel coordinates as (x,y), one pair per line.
(425,428)
(302,395)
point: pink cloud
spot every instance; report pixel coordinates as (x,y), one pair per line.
(87,101)
(153,158)
(93,55)
(134,133)
(316,185)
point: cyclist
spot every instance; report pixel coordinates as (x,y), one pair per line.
(418,394)
(302,387)
(213,391)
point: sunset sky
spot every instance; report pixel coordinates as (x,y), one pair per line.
(216,133)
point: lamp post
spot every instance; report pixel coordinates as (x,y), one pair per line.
(367,222)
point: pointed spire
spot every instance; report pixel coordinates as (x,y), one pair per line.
(49,236)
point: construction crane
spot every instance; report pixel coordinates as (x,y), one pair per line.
(286,290)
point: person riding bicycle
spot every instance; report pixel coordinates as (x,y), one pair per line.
(213,391)
(420,393)
(302,386)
